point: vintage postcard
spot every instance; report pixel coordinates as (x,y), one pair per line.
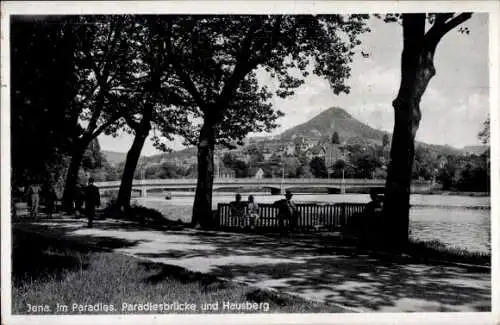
(250,162)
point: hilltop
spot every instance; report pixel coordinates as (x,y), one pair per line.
(334,119)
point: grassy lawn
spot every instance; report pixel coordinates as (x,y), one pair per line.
(47,272)
(436,250)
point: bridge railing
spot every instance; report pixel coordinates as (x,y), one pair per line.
(246,181)
(326,216)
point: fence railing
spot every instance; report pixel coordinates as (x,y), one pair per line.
(326,216)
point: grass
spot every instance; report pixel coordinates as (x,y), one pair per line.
(50,272)
(436,250)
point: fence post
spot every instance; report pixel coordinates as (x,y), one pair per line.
(343,214)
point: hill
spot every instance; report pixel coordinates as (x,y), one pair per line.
(477,150)
(350,130)
(334,119)
(320,127)
(113,157)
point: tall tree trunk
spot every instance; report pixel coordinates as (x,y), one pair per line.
(72,175)
(141,133)
(202,209)
(417,69)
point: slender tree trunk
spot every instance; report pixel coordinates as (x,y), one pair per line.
(125,192)
(202,209)
(417,69)
(72,176)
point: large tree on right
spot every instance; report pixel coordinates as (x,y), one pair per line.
(417,69)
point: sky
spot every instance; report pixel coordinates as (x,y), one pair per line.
(453,107)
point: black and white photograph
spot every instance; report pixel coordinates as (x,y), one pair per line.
(300,161)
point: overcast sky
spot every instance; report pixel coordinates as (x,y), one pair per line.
(453,108)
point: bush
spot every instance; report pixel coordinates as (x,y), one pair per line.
(141,214)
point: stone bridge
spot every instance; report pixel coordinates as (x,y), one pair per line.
(275,185)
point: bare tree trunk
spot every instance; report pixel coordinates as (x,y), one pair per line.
(202,209)
(133,155)
(417,69)
(72,176)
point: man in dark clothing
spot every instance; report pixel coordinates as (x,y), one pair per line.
(92,199)
(238,210)
(374,207)
(50,199)
(287,210)
(366,223)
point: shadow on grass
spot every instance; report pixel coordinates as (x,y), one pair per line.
(36,256)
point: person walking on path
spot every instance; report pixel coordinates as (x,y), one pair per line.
(34,191)
(92,199)
(252,211)
(50,199)
(287,210)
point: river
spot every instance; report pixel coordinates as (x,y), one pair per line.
(462,222)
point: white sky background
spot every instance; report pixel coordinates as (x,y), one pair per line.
(453,108)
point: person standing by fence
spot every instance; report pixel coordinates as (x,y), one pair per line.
(287,210)
(92,199)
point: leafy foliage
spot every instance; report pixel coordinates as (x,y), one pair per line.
(484,134)
(219,70)
(41,101)
(318,167)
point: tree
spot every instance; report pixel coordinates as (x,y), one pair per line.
(102,55)
(240,168)
(366,165)
(318,167)
(417,69)
(217,59)
(484,134)
(42,93)
(335,138)
(154,101)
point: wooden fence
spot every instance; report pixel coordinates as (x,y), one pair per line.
(312,216)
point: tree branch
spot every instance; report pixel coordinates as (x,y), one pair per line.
(131,122)
(437,31)
(95,117)
(188,82)
(103,126)
(242,66)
